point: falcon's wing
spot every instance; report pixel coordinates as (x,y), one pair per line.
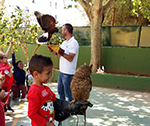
(47,22)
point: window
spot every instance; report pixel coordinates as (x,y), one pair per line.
(55,16)
(55,5)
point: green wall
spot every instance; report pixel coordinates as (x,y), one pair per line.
(114,59)
(126,60)
(116,81)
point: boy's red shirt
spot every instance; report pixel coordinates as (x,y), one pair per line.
(8,80)
(40,107)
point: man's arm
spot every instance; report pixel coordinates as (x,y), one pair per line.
(69,57)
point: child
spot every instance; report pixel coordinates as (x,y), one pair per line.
(43,104)
(19,77)
(6,70)
(2,95)
(29,79)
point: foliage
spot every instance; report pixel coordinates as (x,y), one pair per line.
(17,27)
(126,13)
(142,6)
(57,38)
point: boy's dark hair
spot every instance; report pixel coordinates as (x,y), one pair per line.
(69,27)
(38,62)
(18,62)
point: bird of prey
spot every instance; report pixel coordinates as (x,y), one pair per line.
(47,23)
(81,83)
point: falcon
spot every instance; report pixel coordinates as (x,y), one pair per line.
(47,23)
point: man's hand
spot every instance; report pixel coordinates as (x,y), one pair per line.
(61,51)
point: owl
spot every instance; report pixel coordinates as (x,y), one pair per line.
(47,23)
(81,83)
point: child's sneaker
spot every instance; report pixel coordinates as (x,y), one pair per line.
(24,99)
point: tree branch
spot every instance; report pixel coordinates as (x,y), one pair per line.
(107,4)
(22,49)
(36,49)
(85,4)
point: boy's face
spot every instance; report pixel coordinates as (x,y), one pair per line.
(20,65)
(45,75)
(3,60)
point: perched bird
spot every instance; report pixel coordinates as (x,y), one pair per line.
(47,23)
(81,85)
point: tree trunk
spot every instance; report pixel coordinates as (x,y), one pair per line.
(96,42)
(94,12)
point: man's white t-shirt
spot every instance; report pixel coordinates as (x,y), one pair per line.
(70,46)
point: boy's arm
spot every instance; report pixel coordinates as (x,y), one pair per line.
(13,58)
(2,92)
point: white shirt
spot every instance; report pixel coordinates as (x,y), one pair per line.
(70,46)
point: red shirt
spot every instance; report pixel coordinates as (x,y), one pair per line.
(40,107)
(8,80)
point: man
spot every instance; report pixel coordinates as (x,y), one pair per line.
(68,53)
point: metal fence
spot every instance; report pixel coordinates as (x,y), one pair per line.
(122,36)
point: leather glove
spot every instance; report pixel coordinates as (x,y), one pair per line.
(64,109)
(53,46)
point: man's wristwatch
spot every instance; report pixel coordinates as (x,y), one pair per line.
(0,89)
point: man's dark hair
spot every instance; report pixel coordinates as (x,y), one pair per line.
(69,27)
(38,62)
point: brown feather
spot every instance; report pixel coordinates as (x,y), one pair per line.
(81,83)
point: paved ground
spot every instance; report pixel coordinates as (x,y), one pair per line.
(112,107)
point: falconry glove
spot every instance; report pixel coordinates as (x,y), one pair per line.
(56,48)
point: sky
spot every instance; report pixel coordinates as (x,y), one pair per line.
(73,16)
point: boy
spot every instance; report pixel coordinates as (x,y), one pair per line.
(2,95)
(44,107)
(19,77)
(6,70)
(29,79)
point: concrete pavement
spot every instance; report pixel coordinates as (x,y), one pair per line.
(112,107)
